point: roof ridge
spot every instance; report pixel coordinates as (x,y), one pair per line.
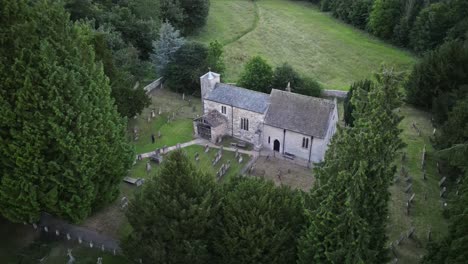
(235,86)
(304,96)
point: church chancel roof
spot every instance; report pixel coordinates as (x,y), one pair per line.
(299,113)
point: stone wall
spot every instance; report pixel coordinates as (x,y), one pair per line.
(210,105)
(218,132)
(255,124)
(334,93)
(154,85)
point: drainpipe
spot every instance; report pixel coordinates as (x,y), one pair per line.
(232,121)
(310,151)
(284,137)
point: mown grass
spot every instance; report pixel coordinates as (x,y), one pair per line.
(313,42)
(426,209)
(204,164)
(179,130)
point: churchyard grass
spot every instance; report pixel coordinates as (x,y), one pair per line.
(178,130)
(424,212)
(313,42)
(204,164)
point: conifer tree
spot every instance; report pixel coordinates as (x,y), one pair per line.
(165,47)
(63,144)
(173,218)
(260,223)
(353,181)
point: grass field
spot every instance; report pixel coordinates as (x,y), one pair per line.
(426,212)
(314,43)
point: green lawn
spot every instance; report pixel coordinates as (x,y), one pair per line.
(425,213)
(204,164)
(313,42)
(179,130)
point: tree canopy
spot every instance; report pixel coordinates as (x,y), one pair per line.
(63,144)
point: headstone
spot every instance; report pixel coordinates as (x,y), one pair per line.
(423,159)
(68,236)
(240,158)
(442,181)
(102,247)
(442,192)
(434,131)
(194,109)
(408,188)
(149,119)
(159,133)
(91,244)
(80,240)
(153,113)
(411,198)
(99,260)
(34,226)
(236,153)
(148,167)
(207,148)
(190,102)
(46,229)
(183,96)
(429,234)
(71,259)
(57,233)
(114,252)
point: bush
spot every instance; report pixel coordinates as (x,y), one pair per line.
(257,75)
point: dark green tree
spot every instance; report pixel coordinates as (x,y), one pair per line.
(384,17)
(215,59)
(365,85)
(309,87)
(174,216)
(183,73)
(257,75)
(63,144)
(186,15)
(284,75)
(260,223)
(436,80)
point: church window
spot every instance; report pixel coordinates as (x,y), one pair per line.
(223,109)
(268,140)
(245,124)
(305,143)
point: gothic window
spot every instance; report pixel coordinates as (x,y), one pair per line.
(305,142)
(268,140)
(223,109)
(244,124)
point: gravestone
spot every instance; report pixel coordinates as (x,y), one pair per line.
(408,188)
(240,158)
(68,236)
(411,198)
(71,259)
(442,181)
(197,158)
(153,113)
(194,109)
(46,229)
(159,133)
(429,234)
(236,153)
(99,260)
(183,96)
(91,244)
(442,192)
(148,167)
(57,233)
(80,240)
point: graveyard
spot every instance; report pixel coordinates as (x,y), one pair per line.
(168,119)
(417,200)
(283,172)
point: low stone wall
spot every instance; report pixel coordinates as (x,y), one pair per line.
(334,93)
(156,84)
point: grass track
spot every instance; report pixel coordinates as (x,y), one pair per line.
(316,44)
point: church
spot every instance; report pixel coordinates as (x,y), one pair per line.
(292,124)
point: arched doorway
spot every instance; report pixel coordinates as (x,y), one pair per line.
(276,145)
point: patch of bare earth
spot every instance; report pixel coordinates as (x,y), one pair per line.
(283,172)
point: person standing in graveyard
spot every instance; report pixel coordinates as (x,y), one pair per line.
(152,138)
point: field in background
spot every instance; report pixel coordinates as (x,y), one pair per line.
(313,42)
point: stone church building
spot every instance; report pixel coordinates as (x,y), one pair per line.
(292,124)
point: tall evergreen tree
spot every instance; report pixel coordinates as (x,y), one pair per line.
(384,17)
(63,144)
(173,218)
(348,106)
(260,223)
(353,182)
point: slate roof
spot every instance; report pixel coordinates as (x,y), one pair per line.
(239,97)
(214,118)
(299,113)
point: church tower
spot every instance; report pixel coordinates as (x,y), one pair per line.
(208,83)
